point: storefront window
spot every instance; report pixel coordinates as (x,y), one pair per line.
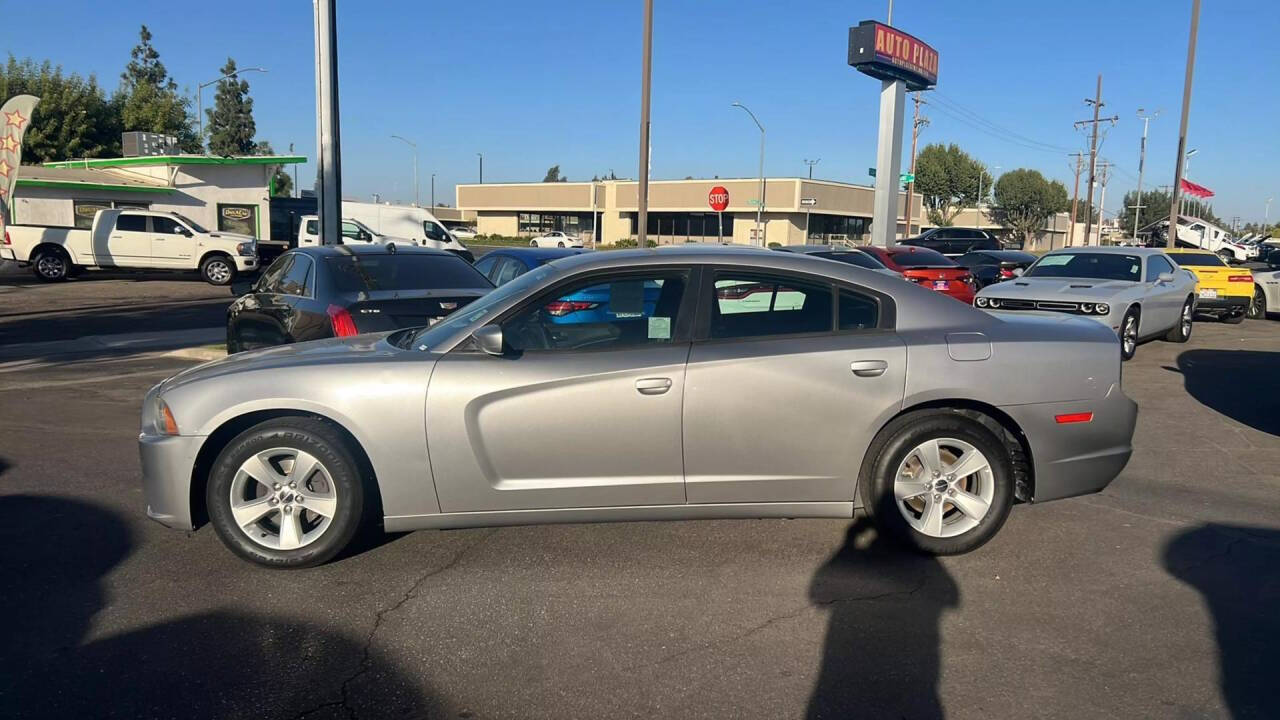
(242,219)
(682,227)
(827,228)
(538,223)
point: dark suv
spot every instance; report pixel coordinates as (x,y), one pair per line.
(954,241)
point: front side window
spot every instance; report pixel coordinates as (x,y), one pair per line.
(602,313)
(166,226)
(1156,265)
(748,305)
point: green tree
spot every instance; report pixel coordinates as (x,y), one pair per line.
(553,175)
(281,180)
(149,98)
(74,118)
(1155,206)
(947,179)
(1085,212)
(229,122)
(1025,200)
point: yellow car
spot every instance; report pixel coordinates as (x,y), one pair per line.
(1222,291)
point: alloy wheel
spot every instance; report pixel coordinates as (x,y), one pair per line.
(1257,305)
(218,271)
(1129,338)
(283,498)
(1186,320)
(51,266)
(944,487)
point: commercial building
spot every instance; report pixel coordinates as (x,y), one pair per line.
(231,194)
(606,211)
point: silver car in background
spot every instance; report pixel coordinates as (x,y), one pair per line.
(1140,293)
(700,382)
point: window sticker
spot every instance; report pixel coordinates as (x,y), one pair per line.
(659,328)
(1052,260)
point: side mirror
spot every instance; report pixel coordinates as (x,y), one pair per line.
(1017,272)
(489,339)
(182,230)
(241,287)
(1164,277)
(364,236)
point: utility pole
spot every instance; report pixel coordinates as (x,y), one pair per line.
(1097,104)
(433,192)
(760,203)
(917,122)
(646,72)
(328,132)
(811,163)
(1142,161)
(1172,235)
(414,146)
(481,156)
(1075,201)
(1105,169)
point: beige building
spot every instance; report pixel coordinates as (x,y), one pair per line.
(606,211)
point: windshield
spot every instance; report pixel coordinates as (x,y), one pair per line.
(403,271)
(190,223)
(428,337)
(1095,266)
(1197,260)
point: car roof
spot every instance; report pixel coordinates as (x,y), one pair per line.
(367,249)
(1109,249)
(809,249)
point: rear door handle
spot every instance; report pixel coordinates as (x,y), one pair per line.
(868,368)
(653,386)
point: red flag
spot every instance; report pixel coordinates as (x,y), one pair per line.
(1195,190)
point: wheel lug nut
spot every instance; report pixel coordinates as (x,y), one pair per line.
(273,501)
(298,499)
(952,492)
(275,486)
(937,497)
(288,509)
(293,485)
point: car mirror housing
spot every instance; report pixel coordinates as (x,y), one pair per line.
(1017,272)
(1164,277)
(489,339)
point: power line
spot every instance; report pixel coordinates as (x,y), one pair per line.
(953,104)
(993,133)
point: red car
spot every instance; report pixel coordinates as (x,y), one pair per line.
(929,268)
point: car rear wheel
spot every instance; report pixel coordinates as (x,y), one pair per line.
(940,481)
(286,493)
(1181,332)
(1129,334)
(1258,305)
(51,265)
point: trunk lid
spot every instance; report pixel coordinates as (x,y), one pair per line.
(380,310)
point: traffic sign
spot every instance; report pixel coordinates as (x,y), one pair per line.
(808,202)
(871,172)
(907,177)
(718,198)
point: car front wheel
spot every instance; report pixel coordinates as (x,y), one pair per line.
(940,481)
(218,270)
(1129,334)
(286,493)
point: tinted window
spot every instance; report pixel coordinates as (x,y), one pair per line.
(167,226)
(858,312)
(296,278)
(860,259)
(1098,266)
(1197,260)
(752,306)
(1156,264)
(486,266)
(131,223)
(508,271)
(974,259)
(404,271)
(313,227)
(921,258)
(270,281)
(602,313)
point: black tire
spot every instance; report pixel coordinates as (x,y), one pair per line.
(891,448)
(218,270)
(51,264)
(560,244)
(328,446)
(1258,306)
(1181,331)
(1234,318)
(1129,348)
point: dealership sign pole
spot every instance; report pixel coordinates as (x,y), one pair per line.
(328,145)
(901,62)
(718,199)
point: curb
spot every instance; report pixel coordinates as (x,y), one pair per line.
(198,353)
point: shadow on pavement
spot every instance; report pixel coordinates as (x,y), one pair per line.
(1235,569)
(880,658)
(1244,385)
(56,554)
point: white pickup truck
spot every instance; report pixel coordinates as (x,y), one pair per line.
(353,231)
(133,239)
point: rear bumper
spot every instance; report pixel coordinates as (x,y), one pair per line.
(167,463)
(8,254)
(1077,458)
(1227,303)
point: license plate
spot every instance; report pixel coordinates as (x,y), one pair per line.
(939,284)
(1209,294)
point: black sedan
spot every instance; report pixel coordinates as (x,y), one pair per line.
(993,266)
(319,292)
(850,255)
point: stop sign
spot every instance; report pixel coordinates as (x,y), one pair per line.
(718,198)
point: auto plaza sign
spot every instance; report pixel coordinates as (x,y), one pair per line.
(888,54)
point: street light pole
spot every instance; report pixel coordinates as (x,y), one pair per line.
(1171,239)
(646,74)
(481,156)
(415,165)
(1142,161)
(200,95)
(760,206)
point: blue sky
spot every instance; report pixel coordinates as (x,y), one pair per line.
(537,84)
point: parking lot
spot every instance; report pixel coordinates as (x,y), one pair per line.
(1155,598)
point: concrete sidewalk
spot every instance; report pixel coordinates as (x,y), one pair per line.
(115,344)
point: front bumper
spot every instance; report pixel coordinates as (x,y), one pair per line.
(1077,458)
(244,263)
(167,464)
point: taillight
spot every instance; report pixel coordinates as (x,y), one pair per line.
(1006,273)
(560,308)
(343,324)
(966,278)
(1240,278)
(7,241)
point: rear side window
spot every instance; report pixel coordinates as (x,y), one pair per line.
(296,279)
(759,306)
(313,228)
(403,271)
(131,223)
(857,311)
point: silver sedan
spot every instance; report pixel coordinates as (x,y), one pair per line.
(700,382)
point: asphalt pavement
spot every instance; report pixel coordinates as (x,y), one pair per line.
(1154,598)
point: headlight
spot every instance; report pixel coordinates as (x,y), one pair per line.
(995,302)
(246,249)
(1086,308)
(157,419)
(1102,309)
(980,302)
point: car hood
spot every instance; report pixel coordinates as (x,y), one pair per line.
(333,351)
(1057,288)
(231,237)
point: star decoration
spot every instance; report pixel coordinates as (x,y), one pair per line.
(9,143)
(5,167)
(15,119)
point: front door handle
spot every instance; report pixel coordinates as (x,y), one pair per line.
(868,368)
(653,386)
